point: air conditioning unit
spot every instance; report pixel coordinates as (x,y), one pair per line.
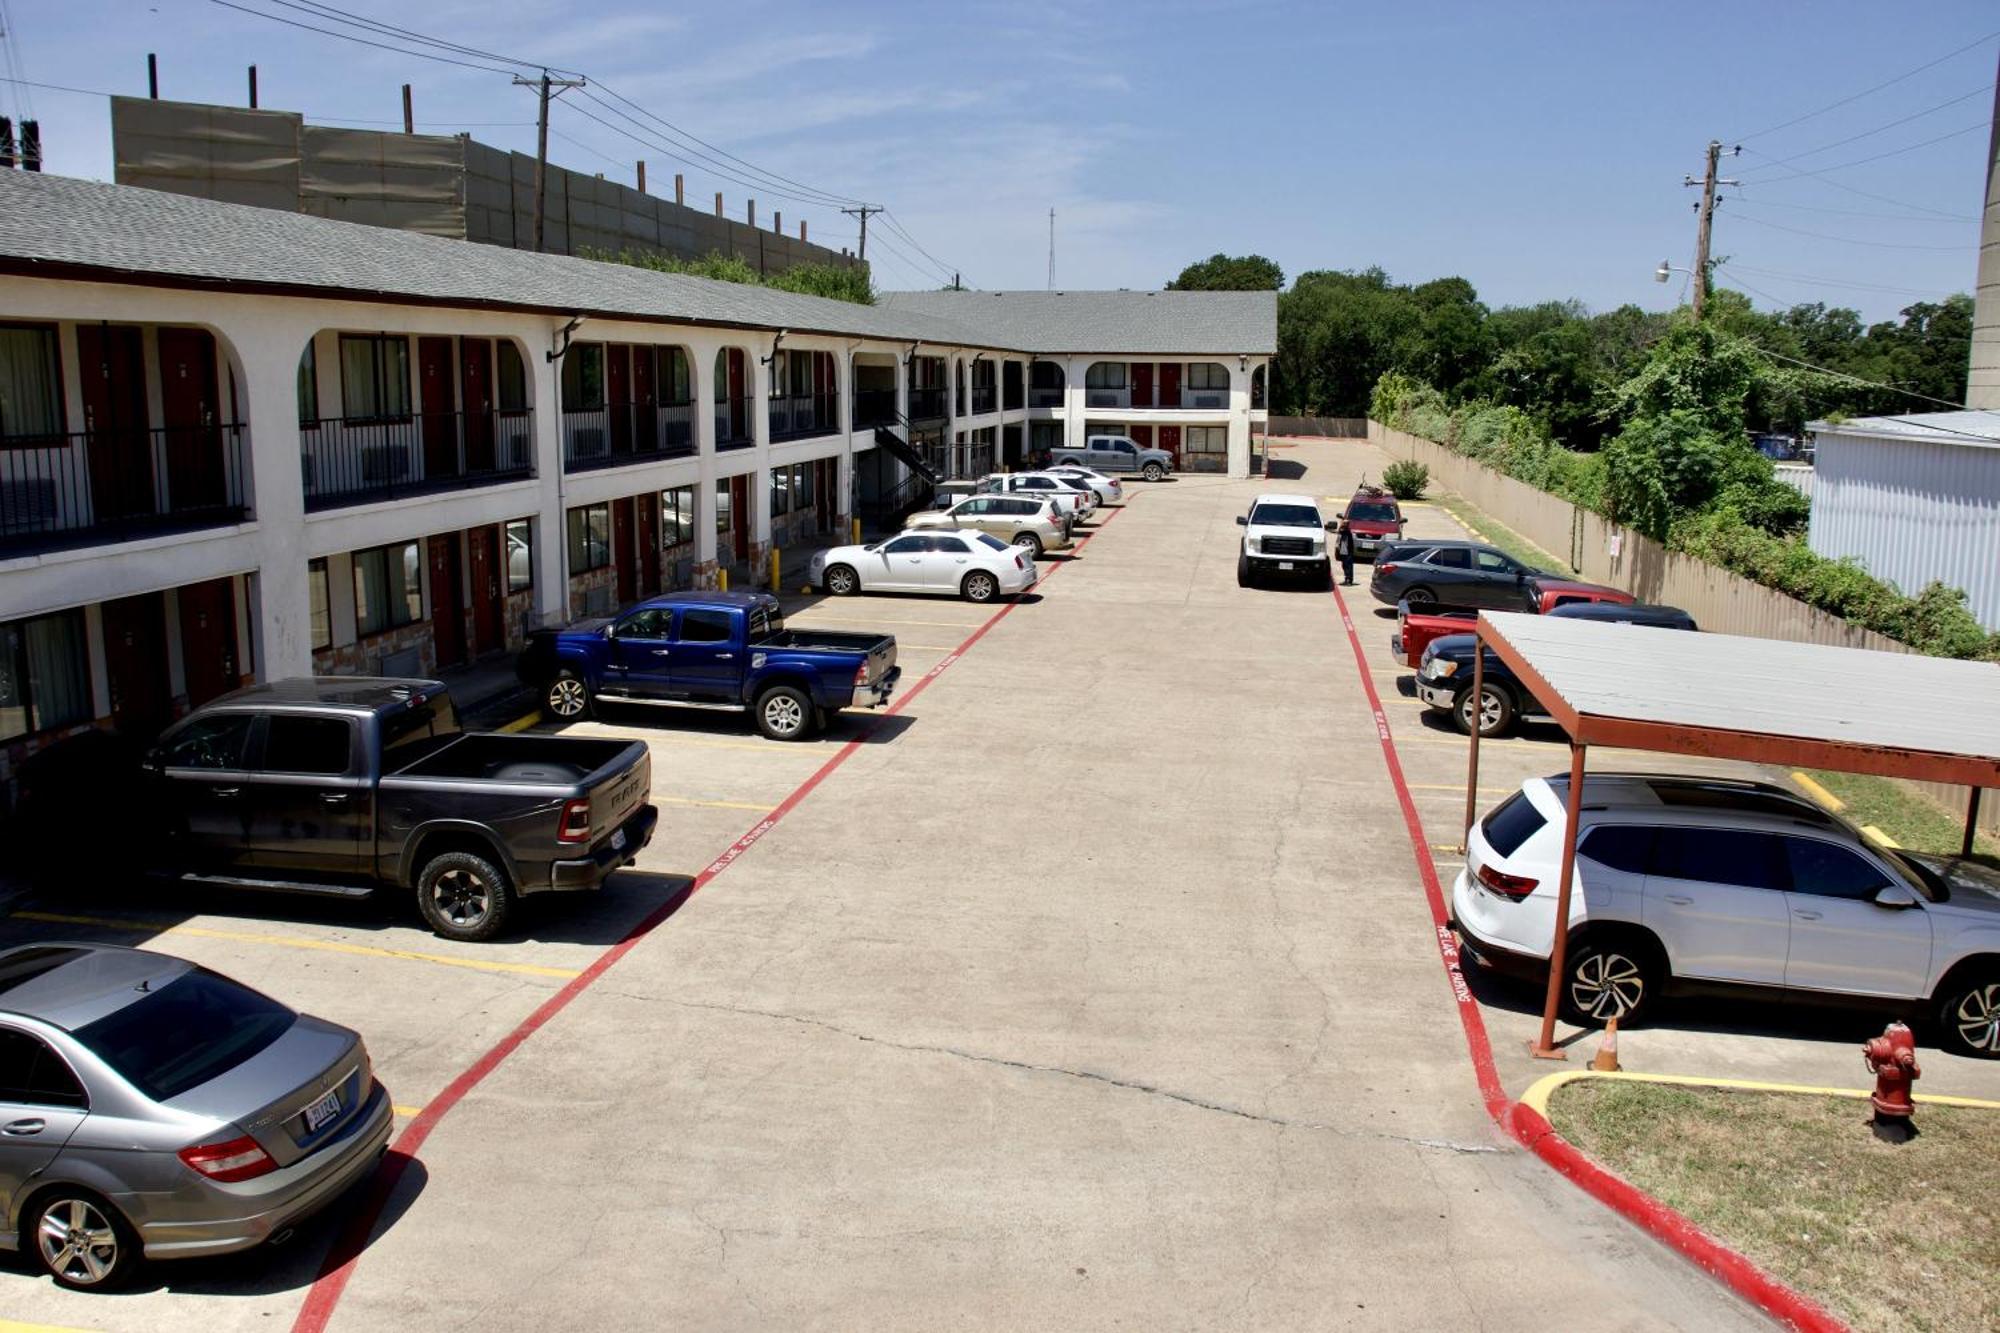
(28,504)
(1103,399)
(1208,400)
(588,442)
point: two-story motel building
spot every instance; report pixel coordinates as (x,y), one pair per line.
(242,444)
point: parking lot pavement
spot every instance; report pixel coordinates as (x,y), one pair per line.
(1095,987)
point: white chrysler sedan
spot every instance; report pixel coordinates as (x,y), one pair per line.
(954,563)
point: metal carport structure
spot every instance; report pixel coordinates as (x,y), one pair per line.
(1720,696)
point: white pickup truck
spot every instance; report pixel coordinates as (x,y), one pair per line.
(1284,534)
(1115,453)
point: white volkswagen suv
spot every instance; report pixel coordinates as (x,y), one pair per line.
(1691,885)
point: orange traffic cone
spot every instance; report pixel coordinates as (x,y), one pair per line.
(1606,1059)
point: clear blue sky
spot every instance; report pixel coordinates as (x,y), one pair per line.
(1537,149)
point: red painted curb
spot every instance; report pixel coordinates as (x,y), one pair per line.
(1534,1132)
(345,1252)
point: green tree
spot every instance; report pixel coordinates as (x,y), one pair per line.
(1230,273)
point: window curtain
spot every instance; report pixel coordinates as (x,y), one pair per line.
(30,399)
(58,671)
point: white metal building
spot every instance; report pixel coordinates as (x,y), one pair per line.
(1914,499)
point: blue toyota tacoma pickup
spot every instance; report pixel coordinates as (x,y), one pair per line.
(716,650)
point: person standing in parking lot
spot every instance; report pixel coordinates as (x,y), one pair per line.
(1343,546)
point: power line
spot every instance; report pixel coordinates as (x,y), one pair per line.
(350,37)
(391,30)
(1855,189)
(1848,240)
(309,115)
(1757,201)
(1855,97)
(904,232)
(1982,90)
(1788,275)
(829,196)
(1877,157)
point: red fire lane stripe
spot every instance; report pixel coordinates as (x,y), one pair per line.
(1530,1128)
(345,1253)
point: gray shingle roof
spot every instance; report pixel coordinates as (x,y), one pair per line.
(58,225)
(1127,323)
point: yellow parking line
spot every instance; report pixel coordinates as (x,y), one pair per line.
(1826,799)
(1536,1097)
(877,620)
(16,1326)
(761,747)
(1458,787)
(523,723)
(406,1111)
(713,805)
(295,942)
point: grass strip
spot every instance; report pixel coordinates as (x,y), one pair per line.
(1885,1236)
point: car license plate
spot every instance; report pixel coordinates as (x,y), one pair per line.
(618,841)
(322,1111)
(1284,564)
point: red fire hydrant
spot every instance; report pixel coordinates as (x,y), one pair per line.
(1892,1059)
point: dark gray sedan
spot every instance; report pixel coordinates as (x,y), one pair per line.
(1450,573)
(150,1108)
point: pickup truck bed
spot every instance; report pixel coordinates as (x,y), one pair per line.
(523,760)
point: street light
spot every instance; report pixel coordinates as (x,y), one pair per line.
(1666,269)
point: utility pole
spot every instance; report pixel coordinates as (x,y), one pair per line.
(545,84)
(1705,211)
(862,213)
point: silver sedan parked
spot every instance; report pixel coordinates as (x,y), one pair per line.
(150,1108)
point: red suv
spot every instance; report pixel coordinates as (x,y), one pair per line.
(1374,518)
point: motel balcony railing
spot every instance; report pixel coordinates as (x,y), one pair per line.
(64,491)
(350,460)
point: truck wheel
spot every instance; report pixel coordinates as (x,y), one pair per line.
(463,896)
(567,697)
(1031,542)
(1969,1012)
(80,1240)
(784,713)
(1242,571)
(1496,711)
(979,586)
(1154,472)
(842,581)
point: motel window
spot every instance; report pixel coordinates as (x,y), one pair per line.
(1208,439)
(318,591)
(513,378)
(520,554)
(1207,375)
(802,485)
(589,537)
(375,377)
(388,587)
(309,384)
(44,674)
(677,516)
(1105,375)
(677,378)
(781,491)
(30,382)
(722,507)
(583,378)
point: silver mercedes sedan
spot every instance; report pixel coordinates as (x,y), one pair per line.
(152,1109)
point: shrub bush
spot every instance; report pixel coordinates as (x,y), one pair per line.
(1406,478)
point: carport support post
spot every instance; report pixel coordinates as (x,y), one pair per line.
(1971,822)
(1545,1047)
(1472,760)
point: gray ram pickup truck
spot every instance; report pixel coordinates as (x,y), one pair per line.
(343,785)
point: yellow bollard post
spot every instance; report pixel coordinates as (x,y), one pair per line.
(857,530)
(722,580)
(776,586)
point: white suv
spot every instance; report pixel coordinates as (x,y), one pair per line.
(1690,885)
(1285,535)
